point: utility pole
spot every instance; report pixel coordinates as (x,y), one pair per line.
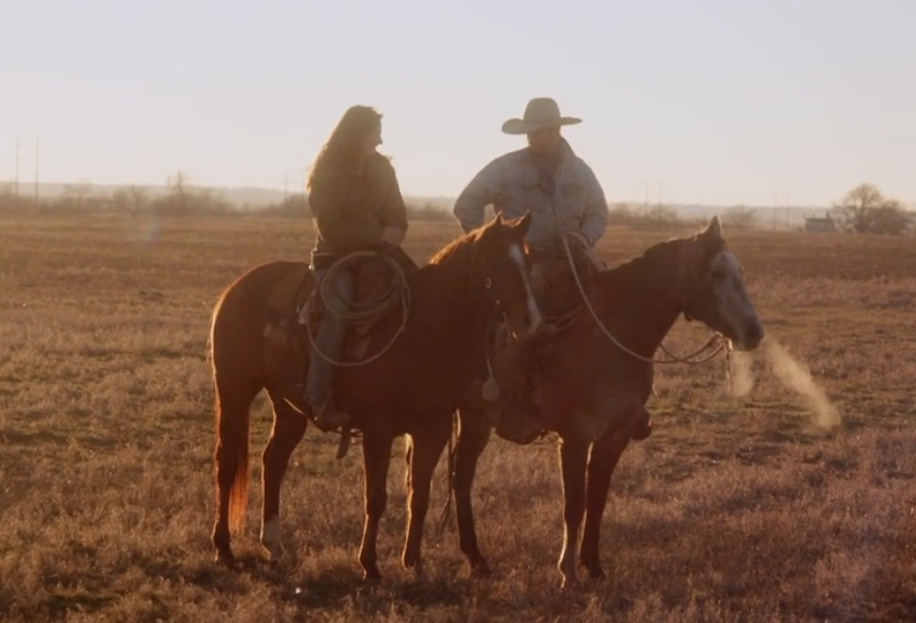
(788,196)
(36,173)
(16,178)
(775,209)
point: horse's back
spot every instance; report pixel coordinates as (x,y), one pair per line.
(247,305)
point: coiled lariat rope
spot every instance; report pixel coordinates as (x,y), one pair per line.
(360,312)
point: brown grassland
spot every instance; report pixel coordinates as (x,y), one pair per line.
(737,508)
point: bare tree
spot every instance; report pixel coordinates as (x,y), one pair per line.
(865,209)
(139,199)
(740,217)
(77,193)
(179,191)
(131,200)
(889,218)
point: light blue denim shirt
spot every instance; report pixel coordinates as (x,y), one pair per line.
(512,185)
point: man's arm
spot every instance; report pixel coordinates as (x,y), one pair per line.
(594,220)
(477,195)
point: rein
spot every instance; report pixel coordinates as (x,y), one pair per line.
(361,312)
(724,343)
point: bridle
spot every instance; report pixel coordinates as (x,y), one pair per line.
(723,342)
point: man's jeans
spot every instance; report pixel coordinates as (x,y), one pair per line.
(329,340)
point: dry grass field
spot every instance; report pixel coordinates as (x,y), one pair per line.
(738,508)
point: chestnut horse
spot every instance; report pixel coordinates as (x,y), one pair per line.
(414,388)
(594,392)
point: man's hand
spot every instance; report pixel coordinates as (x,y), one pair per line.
(576,237)
(392,236)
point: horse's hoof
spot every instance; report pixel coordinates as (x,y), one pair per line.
(224,557)
(596,573)
(272,554)
(480,569)
(571,581)
(371,576)
(420,576)
(570,584)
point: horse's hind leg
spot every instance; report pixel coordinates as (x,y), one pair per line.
(604,456)
(427,448)
(288,429)
(376,459)
(473,437)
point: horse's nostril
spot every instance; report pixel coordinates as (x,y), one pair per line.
(754,334)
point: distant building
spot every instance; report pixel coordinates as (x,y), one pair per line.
(821,225)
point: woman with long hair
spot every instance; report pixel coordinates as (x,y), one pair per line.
(356,204)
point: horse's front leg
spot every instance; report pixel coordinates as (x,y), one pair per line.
(376,458)
(573,459)
(602,460)
(473,437)
(426,450)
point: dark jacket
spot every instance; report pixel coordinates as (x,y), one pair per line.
(350,211)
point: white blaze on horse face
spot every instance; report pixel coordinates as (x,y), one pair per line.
(534,313)
(735,306)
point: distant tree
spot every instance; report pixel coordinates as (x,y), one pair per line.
(865,210)
(427,211)
(178,190)
(132,200)
(139,199)
(889,218)
(661,217)
(740,217)
(75,195)
(620,214)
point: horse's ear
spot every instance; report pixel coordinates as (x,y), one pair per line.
(523,223)
(499,218)
(714,229)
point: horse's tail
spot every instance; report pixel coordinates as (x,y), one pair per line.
(232,438)
(232,418)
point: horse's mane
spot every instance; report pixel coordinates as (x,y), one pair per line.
(460,246)
(656,266)
(642,266)
(450,265)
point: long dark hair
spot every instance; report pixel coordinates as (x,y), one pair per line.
(342,148)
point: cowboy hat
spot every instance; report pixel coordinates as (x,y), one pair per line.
(541,112)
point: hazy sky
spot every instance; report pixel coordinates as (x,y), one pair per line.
(724,101)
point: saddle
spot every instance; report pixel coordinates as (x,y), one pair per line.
(514,368)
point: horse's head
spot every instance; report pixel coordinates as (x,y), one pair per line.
(505,267)
(716,294)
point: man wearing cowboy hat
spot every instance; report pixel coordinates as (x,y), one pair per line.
(565,200)
(546,178)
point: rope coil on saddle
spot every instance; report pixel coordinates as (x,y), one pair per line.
(360,311)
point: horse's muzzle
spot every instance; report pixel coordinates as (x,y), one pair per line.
(753,335)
